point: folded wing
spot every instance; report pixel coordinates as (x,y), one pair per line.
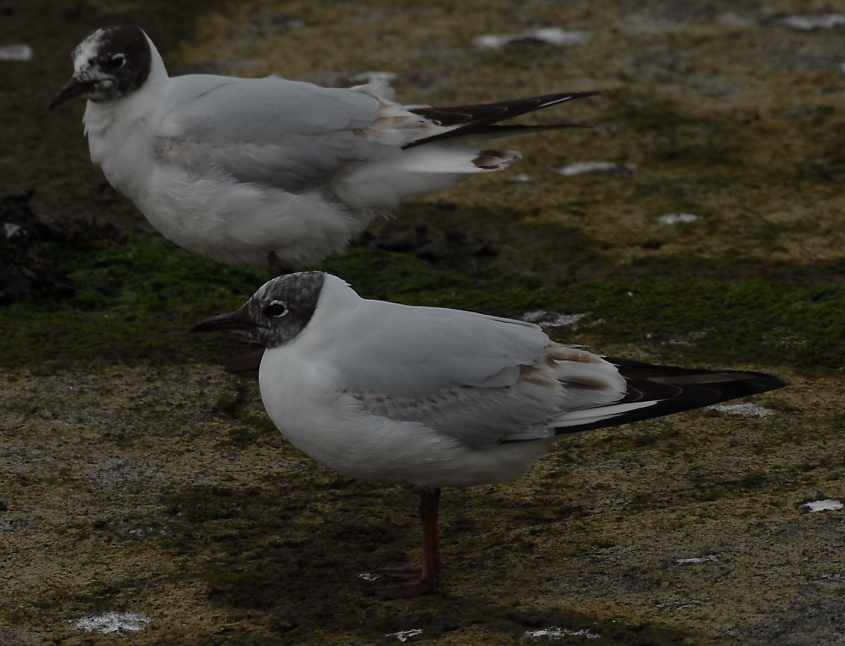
(271,131)
(478,378)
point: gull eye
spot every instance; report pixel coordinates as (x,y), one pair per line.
(115,62)
(276,310)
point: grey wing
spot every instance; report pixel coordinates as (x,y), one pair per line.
(476,416)
(408,351)
(468,375)
(271,131)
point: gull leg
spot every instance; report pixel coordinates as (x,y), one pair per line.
(406,580)
(429,504)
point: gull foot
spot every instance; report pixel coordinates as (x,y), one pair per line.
(397,582)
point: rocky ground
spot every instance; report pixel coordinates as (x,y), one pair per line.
(145,498)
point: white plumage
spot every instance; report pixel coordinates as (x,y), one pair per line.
(237,169)
(435,397)
(426,396)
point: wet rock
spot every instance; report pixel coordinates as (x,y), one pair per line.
(28,246)
(23,268)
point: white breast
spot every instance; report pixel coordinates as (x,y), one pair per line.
(330,426)
(212,214)
(236,222)
(119,142)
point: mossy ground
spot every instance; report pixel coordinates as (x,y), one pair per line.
(136,475)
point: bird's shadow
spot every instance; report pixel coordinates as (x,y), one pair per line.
(485,241)
(291,561)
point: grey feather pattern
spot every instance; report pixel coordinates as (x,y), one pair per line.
(477,378)
(272,131)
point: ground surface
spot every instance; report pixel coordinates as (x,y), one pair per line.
(137,476)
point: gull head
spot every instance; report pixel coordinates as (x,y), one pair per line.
(276,313)
(108,65)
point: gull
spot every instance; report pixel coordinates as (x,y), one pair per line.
(436,397)
(269,171)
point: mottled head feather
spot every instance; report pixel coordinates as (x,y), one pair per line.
(114,61)
(283,307)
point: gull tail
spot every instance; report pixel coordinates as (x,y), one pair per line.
(466,120)
(655,391)
(432,168)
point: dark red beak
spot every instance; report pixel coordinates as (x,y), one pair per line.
(237,320)
(73,88)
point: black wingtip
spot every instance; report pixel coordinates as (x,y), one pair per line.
(580,95)
(748,381)
(675,390)
(479,119)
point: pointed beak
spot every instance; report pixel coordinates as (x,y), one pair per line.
(73,88)
(238,320)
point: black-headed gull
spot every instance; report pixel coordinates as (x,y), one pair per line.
(268,171)
(439,397)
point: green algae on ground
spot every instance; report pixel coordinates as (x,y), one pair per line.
(136,302)
(141,477)
(278,538)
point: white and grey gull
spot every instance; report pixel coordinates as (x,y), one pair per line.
(437,397)
(268,170)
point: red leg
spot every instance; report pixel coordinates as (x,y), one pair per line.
(429,503)
(405,581)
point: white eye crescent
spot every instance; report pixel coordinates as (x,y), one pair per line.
(117,61)
(276,309)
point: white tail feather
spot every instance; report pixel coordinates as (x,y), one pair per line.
(598,414)
(383,183)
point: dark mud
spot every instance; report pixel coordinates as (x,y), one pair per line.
(137,476)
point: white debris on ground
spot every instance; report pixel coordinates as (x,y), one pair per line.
(811,22)
(16,53)
(677,602)
(10,229)
(369,577)
(695,560)
(745,410)
(678,218)
(552,319)
(827,504)
(113,622)
(595,167)
(375,75)
(378,82)
(556,632)
(521,178)
(547,35)
(405,635)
